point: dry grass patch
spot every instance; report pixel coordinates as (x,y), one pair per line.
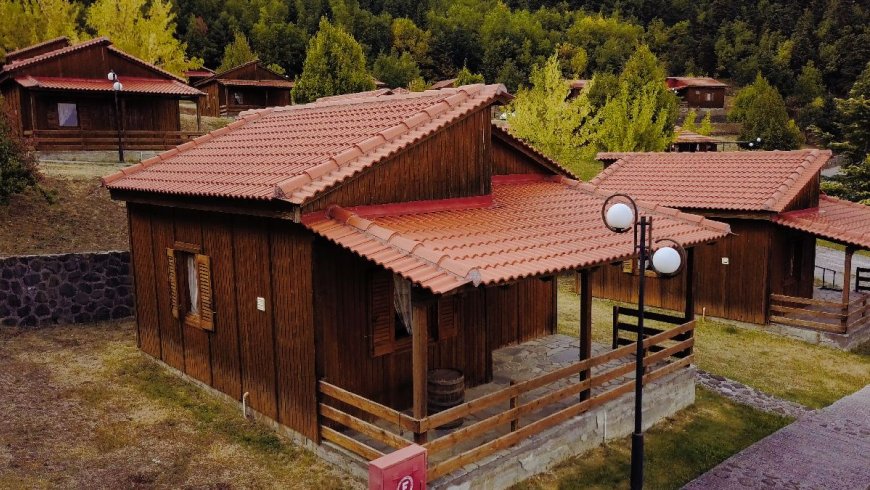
(86,409)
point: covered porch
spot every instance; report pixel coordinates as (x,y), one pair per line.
(487,266)
(839,306)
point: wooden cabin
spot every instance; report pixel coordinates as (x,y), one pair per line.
(692,141)
(60,97)
(195,76)
(700,92)
(341,249)
(772,202)
(248,86)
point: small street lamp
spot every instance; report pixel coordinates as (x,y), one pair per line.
(117,86)
(667,261)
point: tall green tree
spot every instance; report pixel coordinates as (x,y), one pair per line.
(237,53)
(706,127)
(689,121)
(561,128)
(334,64)
(853,120)
(852,183)
(466,77)
(27,22)
(761,110)
(144,29)
(395,70)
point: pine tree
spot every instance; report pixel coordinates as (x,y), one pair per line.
(395,70)
(689,121)
(706,127)
(559,127)
(466,77)
(334,64)
(143,29)
(237,53)
(762,112)
(853,120)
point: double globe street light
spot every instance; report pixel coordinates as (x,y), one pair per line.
(117,87)
(667,261)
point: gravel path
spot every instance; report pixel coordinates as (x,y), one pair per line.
(835,259)
(827,449)
(746,395)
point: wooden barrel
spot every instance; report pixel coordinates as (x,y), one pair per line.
(446,389)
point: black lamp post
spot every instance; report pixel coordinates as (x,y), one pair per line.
(667,261)
(117,86)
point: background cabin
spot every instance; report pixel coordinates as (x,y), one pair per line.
(201,73)
(691,141)
(773,204)
(700,92)
(248,86)
(352,255)
(60,97)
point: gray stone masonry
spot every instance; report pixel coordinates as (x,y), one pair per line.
(38,290)
(747,395)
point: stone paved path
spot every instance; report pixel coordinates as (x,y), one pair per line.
(746,395)
(835,259)
(827,449)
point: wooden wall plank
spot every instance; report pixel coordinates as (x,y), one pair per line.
(142,255)
(225,364)
(163,237)
(294,327)
(251,259)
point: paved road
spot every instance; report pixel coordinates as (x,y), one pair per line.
(835,259)
(828,449)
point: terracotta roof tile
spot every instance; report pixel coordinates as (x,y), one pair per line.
(257,83)
(684,82)
(295,152)
(683,136)
(741,180)
(834,219)
(131,85)
(529,228)
(20,63)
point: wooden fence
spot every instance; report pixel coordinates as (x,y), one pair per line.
(375,429)
(80,139)
(817,314)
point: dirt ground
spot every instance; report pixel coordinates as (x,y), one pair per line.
(83,408)
(78,216)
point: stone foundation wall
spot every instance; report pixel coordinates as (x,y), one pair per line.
(38,290)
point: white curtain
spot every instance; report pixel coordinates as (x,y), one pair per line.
(402,300)
(193,284)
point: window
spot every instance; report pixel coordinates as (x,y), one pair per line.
(237,98)
(190,290)
(708,97)
(389,310)
(67,115)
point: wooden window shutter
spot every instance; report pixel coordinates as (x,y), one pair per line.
(173,282)
(382,316)
(206,304)
(447,324)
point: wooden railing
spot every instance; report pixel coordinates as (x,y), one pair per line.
(81,139)
(817,314)
(620,326)
(389,429)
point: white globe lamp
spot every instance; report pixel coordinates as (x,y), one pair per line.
(666,260)
(619,216)
(118,86)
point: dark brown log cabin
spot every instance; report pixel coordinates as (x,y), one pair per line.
(702,92)
(361,242)
(60,97)
(747,190)
(245,87)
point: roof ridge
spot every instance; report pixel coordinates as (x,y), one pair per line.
(132,169)
(798,178)
(411,247)
(428,115)
(37,45)
(652,207)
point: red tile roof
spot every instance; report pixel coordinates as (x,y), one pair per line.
(448,83)
(378,92)
(296,152)
(532,226)
(683,136)
(612,156)
(736,180)
(56,43)
(578,84)
(685,82)
(834,219)
(131,85)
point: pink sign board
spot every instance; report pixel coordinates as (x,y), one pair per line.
(404,469)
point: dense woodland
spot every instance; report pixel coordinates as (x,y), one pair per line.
(809,54)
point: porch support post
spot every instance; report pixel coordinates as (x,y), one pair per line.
(198,115)
(419,369)
(691,285)
(847,274)
(585,326)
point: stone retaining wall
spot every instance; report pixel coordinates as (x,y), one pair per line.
(38,290)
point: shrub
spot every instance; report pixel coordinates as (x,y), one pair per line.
(18,166)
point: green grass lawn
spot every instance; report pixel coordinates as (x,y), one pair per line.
(812,375)
(677,450)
